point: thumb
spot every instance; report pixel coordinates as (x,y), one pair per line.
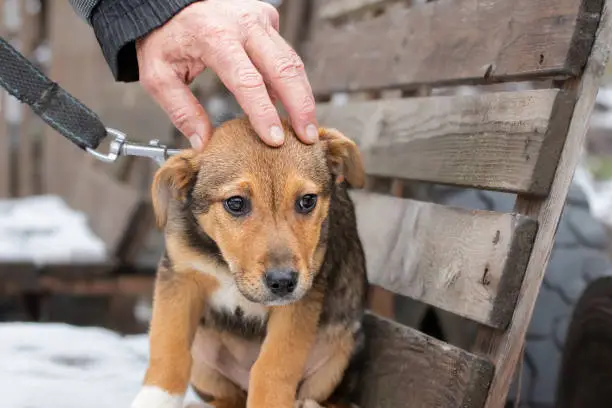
(181,106)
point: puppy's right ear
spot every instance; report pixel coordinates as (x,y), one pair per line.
(173,181)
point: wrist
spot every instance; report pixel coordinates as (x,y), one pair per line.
(117,25)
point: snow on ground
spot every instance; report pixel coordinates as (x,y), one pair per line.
(43,229)
(49,365)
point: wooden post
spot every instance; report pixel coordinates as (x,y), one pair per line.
(294,21)
(27,163)
(504,349)
(72,44)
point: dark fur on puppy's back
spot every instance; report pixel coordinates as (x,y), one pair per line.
(344,266)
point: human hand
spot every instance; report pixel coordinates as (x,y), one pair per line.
(239,41)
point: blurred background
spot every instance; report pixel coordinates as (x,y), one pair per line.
(78,247)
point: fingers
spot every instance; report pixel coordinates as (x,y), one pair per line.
(284,71)
(242,78)
(179,103)
(242,45)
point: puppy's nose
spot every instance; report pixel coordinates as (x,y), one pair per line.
(281,282)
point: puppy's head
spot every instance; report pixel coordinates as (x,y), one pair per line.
(266,209)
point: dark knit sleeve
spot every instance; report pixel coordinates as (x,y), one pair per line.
(119,23)
(83,8)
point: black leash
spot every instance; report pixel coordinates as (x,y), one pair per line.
(66,114)
(54,105)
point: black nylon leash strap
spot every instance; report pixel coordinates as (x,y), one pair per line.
(54,105)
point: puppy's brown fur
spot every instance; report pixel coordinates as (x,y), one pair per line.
(216,322)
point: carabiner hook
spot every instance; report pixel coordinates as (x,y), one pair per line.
(114,149)
(119,146)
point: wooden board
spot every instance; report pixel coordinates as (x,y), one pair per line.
(73,52)
(31,125)
(79,270)
(334,9)
(293,21)
(467,262)
(406,368)
(453,41)
(17,277)
(504,349)
(134,240)
(104,278)
(110,206)
(507,141)
(120,285)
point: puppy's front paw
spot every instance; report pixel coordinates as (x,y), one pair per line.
(155,397)
(307,403)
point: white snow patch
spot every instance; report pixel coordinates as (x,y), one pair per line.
(43,229)
(49,365)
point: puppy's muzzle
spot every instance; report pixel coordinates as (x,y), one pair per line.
(281,282)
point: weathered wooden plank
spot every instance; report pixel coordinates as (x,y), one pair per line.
(80,270)
(453,41)
(507,141)
(333,9)
(406,368)
(293,21)
(17,277)
(467,262)
(73,61)
(124,285)
(134,240)
(27,163)
(504,349)
(110,205)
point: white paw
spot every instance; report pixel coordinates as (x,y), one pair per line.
(308,403)
(155,397)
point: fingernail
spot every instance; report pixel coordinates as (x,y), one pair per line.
(196,142)
(312,133)
(277,136)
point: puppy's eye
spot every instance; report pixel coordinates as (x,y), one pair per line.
(237,205)
(306,203)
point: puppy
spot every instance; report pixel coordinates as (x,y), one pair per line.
(260,293)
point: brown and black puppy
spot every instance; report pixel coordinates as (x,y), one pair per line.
(260,294)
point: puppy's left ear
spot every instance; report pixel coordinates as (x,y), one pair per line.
(343,156)
(173,181)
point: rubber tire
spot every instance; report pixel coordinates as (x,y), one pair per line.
(579,256)
(586,371)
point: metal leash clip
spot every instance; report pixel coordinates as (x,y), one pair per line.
(119,146)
